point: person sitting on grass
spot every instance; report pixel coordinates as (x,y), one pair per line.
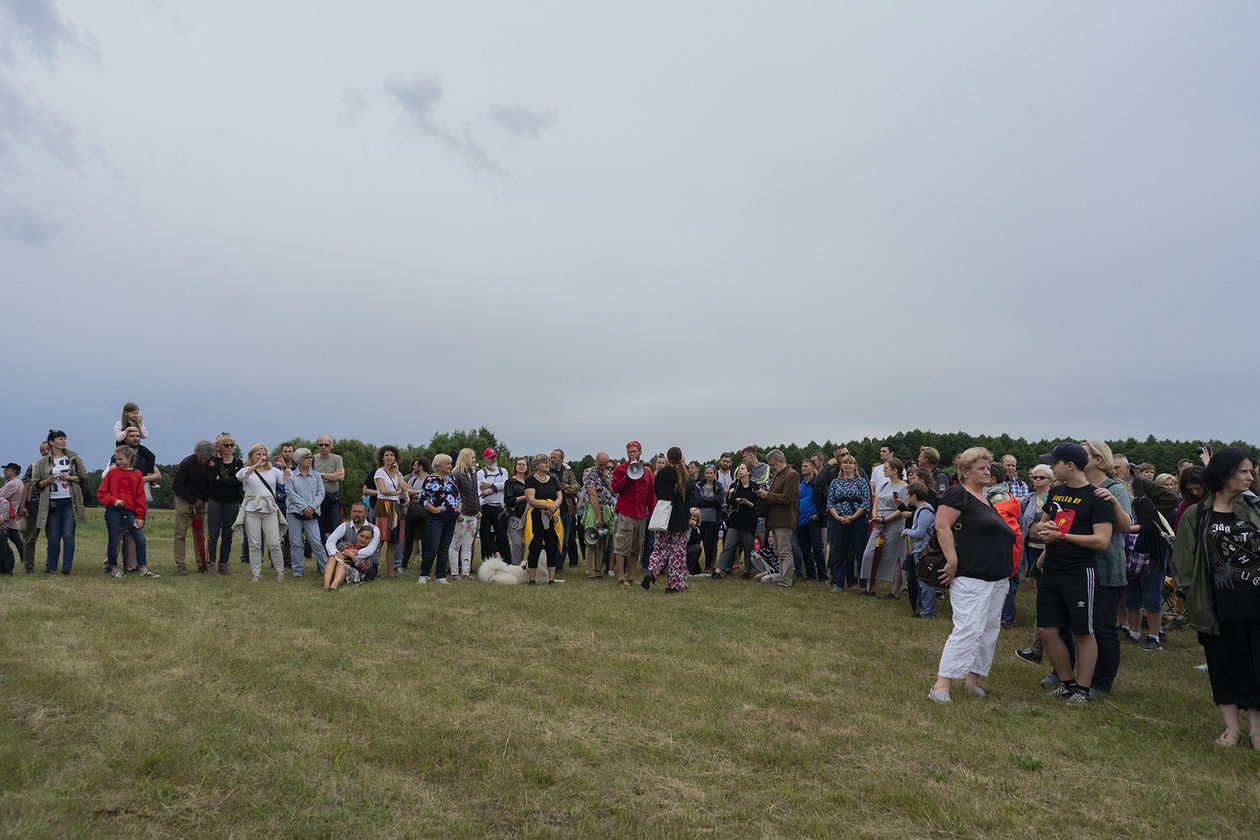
(347,564)
(122,493)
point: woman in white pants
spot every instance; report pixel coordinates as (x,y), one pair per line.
(259,514)
(979,557)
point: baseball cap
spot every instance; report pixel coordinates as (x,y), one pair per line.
(489,453)
(1073,453)
(749,448)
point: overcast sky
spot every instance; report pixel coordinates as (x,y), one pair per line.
(702,224)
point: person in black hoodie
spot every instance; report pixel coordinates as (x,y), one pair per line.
(673,484)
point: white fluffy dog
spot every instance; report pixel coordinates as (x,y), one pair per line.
(497,571)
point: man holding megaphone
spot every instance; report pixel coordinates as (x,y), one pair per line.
(597,517)
(635,500)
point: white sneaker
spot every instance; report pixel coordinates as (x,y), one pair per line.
(770,578)
(423,579)
(443,580)
(117,574)
(256,578)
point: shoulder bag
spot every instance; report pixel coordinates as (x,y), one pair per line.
(660,515)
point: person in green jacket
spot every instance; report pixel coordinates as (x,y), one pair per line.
(1217,559)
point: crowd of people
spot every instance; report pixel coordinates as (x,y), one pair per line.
(1108,544)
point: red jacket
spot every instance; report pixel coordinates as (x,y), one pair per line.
(635,497)
(1009,509)
(127,485)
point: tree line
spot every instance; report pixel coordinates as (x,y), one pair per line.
(360,456)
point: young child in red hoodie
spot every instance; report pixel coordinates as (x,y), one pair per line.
(122,493)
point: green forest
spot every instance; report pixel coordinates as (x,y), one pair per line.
(359,456)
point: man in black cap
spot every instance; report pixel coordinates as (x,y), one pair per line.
(1075,523)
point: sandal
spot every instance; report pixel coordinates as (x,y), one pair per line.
(1229,738)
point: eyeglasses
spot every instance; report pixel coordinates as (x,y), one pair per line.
(228,445)
(324,444)
(1040,478)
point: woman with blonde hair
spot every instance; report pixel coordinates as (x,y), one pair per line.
(468,521)
(259,514)
(978,546)
(224,502)
(848,503)
(440,496)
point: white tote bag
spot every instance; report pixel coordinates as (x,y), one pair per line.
(660,516)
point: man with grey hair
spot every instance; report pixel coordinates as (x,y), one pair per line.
(191,491)
(1121,469)
(331,466)
(781,499)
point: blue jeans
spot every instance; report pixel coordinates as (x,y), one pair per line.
(927,600)
(120,524)
(441,529)
(330,512)
(848,542)
(59,531)
(310,527)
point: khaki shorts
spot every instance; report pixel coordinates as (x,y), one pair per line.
(628,541)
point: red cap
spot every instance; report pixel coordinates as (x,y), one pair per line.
(489,453)
(635,444)
(747,449)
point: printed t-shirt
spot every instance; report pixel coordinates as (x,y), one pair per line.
(1074,510)
(1233,549)
(60,489)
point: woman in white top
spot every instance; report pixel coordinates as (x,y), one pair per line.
(889,522)
(259,514)
(388,510)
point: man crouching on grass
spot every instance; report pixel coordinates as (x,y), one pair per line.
(1074,524)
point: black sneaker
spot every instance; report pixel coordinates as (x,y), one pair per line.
(1151,643)
(1063,691)
(1080,697)
(1029,655)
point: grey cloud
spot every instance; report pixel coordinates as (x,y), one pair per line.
(351,104)
(521,121)
(161,12)
(419,98)
(17,221)
(38,25)
(24,120)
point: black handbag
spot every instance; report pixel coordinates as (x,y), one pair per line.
(931,561)
(932,558)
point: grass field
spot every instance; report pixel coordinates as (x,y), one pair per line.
(211,707)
